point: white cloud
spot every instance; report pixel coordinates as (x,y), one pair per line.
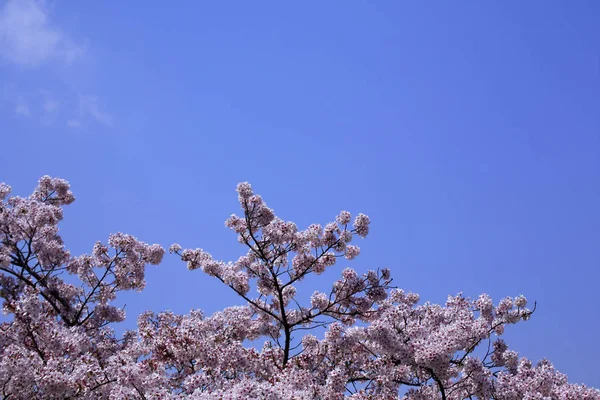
(88,106)
(29,39)
(74,124)
(22,108)
(50,106)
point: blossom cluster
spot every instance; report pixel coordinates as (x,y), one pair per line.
(362,339)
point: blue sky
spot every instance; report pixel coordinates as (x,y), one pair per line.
(468,131)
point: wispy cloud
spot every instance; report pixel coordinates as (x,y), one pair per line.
(88,107)
(74,124)
(42,105)
(29,39)
(50,106)
(22,108)
(31,42)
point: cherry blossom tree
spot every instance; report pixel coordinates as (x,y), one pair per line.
(362,339)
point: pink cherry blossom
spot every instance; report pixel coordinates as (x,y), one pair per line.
(361,339)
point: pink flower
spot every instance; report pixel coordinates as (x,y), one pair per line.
(373,341)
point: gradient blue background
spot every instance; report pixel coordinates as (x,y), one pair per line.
(468,131)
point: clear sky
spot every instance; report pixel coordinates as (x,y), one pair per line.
(468,131)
